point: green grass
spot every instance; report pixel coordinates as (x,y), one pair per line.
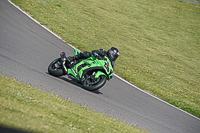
(159,40)
(26,108)
(197,0)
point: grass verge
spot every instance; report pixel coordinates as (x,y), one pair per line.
(26,108)
(158,39)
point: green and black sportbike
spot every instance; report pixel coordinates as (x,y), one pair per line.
(91,72)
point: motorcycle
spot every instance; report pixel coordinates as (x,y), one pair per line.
(91,73)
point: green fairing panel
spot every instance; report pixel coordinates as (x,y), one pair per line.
(71,72)
(103,67)
(99,73)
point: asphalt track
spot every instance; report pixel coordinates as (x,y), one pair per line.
(26,49)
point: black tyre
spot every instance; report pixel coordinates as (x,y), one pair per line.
(55,68)
(92,84)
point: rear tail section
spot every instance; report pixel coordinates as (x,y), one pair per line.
(76,52)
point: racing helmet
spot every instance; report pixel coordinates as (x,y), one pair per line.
(113,53)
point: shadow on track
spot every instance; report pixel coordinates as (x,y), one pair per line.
(75,83)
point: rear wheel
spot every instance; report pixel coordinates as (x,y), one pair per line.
(91,83)
(55,68)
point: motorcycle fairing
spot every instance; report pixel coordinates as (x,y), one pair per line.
(102,67)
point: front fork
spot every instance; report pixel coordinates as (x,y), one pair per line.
(63,59)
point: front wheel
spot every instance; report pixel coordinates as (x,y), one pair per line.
(55,68)
(93,84)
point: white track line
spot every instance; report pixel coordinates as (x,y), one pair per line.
(114,73)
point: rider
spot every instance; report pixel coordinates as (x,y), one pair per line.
(100,54)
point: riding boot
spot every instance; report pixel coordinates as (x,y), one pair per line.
(70,61)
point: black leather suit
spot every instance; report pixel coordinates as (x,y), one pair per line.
(99,54)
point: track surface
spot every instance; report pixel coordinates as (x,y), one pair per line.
(26,49)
